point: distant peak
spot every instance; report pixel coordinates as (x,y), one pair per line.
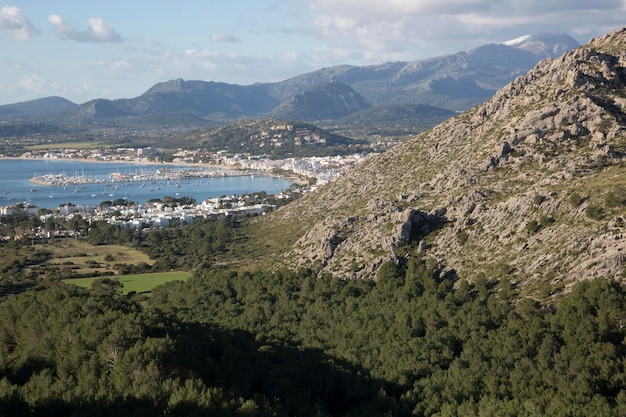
(517,41)
(166,87)
(545,44)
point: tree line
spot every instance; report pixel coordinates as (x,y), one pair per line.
(177,247)
(415,342)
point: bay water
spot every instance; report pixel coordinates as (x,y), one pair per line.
(15,186)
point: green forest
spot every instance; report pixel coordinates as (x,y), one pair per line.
(414,342)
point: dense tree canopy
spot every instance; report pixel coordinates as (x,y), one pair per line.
(290,343)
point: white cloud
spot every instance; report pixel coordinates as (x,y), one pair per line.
(98,30)
(289,57)
(119,67)
(20,66)
(397,8)
(412,29)
(325,57)
(32,83)
(89,91)
(152,65)
(87,88)
(224,37)
(15,24)
(57,88)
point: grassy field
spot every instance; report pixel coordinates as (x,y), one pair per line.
(139,283)
(86,258)
(67,145)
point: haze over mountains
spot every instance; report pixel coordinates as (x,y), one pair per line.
(454,82)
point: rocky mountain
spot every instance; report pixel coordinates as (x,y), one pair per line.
(529,186)
(205,99)
(548,45)
(37,107)
(288,137)
(195,98)
(454,82)
(329,100)
(388,121)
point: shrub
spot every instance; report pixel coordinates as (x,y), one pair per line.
(595,212)
(575,199)
(616,197)
(545,221)
(538,199)
(532,226)
(92,264)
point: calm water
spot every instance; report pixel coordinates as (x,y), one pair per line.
(15,186)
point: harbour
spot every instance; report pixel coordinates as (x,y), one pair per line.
(168,174)
(87,184)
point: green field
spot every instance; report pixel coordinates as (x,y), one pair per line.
(67,145)
(139,283)
(84,258)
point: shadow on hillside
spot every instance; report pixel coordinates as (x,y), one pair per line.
(279,379)
(300,380)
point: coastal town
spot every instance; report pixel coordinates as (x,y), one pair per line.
(308,174)
(318,170)
(157,213)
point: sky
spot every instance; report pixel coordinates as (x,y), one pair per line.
(82,50)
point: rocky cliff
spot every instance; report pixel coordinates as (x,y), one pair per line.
(527,186)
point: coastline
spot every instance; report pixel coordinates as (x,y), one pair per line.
(16,187)
(286,175)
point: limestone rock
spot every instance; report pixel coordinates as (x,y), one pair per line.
(489,190)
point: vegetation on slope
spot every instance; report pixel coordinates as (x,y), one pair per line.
(272,137)
(393,121)
(107,250)
(330,100)
(414,342)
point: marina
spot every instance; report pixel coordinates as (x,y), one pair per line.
(87,184)
(168,174)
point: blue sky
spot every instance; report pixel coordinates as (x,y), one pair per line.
(83,50)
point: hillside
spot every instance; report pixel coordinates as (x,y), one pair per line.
(454,82)
(388,121)
(328,100)
(273,137)
(37,107)
(528,186)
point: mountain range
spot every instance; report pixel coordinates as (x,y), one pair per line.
(529,186)
(496,244)
(454,82)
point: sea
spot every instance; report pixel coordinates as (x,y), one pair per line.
(15,186)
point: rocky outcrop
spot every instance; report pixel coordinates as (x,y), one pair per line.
(336,245)
(515,187)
